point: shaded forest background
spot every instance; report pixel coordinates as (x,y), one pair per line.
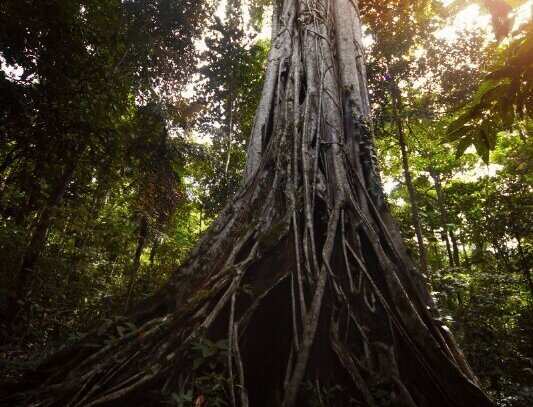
(123,130)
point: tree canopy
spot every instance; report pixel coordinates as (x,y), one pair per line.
(124,131)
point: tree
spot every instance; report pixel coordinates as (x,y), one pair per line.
(505,96)
(397,110)
(158,185)
(230,87)
(412,96)
(65,120)
(301,290)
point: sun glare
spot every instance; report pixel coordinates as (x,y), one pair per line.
(474,16)
(469,18)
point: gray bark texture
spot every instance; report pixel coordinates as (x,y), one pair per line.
(304,276)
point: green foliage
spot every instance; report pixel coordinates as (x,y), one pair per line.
(89,157)
(257,10)
(209,385)
(230,87)
(208,353)
(95,132)
(480,252)
(487,298)
(500,10)
(503,99)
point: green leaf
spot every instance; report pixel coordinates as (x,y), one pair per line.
(483,89)
(489,133)
(507,115)
(457,134)
(464,143)
(459,123)
(196,363)
(222,344)
(496,93)
(481,145)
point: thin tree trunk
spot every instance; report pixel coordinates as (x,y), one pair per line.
(228,155)
(230,134)
(455,248)
(4,182)
(526,270)
(7,166)
(234,24)
(34,248)
(84,236)
(7,181)
(453,251)
(9,158)
(38,236)
(141,242)
(303,277)
(463,245)
(77,259)
(153,251)
(415,211)
(437,255)
(501,254)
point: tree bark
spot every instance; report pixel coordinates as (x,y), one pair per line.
(304,274)
(455,248)
(451,245)
(84,236)
(37,242)
(153,251)
(141,242)
(526,270)
(38,237)
(463,246)
(415,211)
(6,166)
(524,260)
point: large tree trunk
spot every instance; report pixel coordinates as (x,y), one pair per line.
(304,273)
